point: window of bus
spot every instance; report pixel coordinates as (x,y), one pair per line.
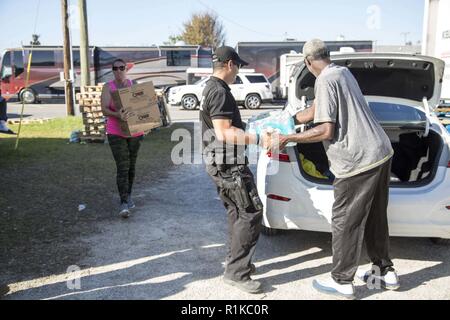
(178,58)
(43,58)
(18,63)
(76,58)
(6,65)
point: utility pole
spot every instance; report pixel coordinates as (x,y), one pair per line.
(67,61)
(84,45)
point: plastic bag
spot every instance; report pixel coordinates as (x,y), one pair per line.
(273,121)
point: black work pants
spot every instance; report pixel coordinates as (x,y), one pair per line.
(125,151)
(244,224)
(360,215)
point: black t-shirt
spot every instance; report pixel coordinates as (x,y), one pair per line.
(218,103)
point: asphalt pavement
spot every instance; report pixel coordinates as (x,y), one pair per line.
(173,246)
(59,110)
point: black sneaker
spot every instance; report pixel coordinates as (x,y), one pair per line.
(249,286)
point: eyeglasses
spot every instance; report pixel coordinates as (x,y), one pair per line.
(121,68)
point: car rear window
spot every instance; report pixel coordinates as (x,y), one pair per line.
(256,79)
(389,112)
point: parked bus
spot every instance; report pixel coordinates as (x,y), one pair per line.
(264,57)
(164,65)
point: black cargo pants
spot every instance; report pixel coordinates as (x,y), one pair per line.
(244,220)
(360,215)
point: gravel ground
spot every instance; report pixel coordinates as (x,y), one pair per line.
(173,245)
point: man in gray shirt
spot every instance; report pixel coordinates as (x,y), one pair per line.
(360,154)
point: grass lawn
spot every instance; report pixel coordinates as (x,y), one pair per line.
(44,181)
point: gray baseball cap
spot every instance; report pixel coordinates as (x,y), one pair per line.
(317,49)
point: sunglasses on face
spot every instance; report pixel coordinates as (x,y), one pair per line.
(121,68)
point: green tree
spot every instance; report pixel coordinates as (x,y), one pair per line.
(173,39)
(204,29)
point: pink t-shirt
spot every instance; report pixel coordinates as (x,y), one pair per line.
(112,123)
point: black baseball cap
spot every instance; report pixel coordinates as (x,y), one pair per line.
(225,53)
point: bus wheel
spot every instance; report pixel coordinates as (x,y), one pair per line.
(28,96)
(189,102)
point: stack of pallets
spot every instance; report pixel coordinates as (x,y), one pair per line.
(93,118)
(443,113)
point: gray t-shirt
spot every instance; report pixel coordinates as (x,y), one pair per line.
(359,143)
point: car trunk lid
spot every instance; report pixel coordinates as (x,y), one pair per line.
(408,77)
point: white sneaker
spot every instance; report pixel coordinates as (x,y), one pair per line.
(388,281)
(4,128)
(124,212)
(329,286)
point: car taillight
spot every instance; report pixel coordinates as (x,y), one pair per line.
(282,157)
(448,164)
(277,197)
(448,207)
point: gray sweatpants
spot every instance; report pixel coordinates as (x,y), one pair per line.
(360,215)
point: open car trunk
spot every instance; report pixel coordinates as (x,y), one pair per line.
(414,163)
(401,91)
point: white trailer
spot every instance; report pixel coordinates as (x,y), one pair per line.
(436,38)
(288,62)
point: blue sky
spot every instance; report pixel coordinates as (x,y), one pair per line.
(138,22)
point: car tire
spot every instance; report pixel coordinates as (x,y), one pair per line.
(270,232)
(253,101)
(28,96)
(189,102)
(440,241)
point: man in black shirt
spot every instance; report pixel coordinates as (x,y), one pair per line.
(224,141)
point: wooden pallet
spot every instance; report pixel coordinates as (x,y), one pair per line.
(89,109)
(88,95)
(28,121)
(93,115)
(445,121)
(442,110)
(93,139)
(94,121)
(90,102)
(85,89)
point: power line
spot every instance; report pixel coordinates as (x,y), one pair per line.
(236,23)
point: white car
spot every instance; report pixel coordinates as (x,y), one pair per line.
(250,89)
(402,91)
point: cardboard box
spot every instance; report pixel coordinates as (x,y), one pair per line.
(141,101)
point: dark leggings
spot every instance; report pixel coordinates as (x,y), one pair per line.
(3,115)
(125,151)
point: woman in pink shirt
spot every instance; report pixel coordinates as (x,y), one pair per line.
(124,148)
